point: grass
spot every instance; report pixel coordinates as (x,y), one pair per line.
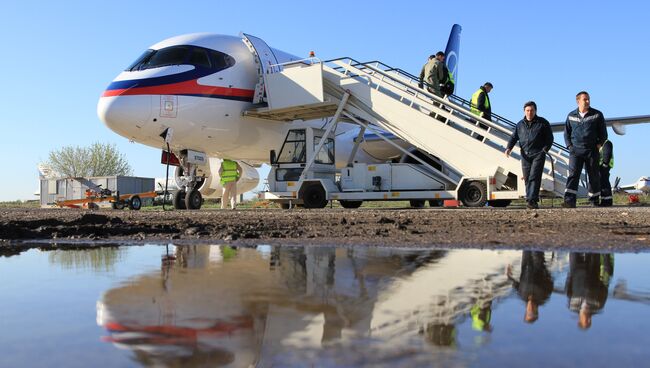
(21,204)
(620,199)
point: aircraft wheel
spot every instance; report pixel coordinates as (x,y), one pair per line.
(179,200)
(314,196)
(193,200)
(351,204)
(474,194)
(135,203)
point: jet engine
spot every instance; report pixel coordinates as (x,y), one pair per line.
(210,186)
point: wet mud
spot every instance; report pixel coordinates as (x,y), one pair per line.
(617,228)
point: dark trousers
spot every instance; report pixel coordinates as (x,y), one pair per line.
(532,167)
(589,159)
(605,186)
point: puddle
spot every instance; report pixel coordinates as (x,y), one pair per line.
(213,305)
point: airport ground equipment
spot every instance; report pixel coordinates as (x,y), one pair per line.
(464,151)
(115,191)
(117,201)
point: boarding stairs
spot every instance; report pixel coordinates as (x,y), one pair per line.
(391,100)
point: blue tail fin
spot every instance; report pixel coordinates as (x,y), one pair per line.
(452,52)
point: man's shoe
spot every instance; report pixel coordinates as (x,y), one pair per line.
(605,204)
(532,205)
(568,205)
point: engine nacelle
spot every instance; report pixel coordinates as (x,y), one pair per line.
(210,186)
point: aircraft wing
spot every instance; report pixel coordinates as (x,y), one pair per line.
(617,124)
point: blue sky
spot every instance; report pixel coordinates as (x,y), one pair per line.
(59,56)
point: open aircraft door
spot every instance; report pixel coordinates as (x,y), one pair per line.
(265,59)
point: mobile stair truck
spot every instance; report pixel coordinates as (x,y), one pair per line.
(463,153)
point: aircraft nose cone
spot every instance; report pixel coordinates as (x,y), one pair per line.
(125,115)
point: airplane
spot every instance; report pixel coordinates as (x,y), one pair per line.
(190,92)
(198,86)
(642,185)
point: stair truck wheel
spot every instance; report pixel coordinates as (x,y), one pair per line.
(314,196)
(179,200)
(474,194)
(417,203)
(351,204)
(135,203)
(193,200)
(499,202)
(117,205)
(436,202)
(285,205)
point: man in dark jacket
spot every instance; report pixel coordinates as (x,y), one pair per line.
(606,163)
(587,284)
(535,139)
(584,133)
(535,284)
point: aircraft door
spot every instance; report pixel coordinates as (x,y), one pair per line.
(265,58)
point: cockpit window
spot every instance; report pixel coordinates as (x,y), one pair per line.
(143,58)
(183,55)
(199,57)
(175,55)
(221,60)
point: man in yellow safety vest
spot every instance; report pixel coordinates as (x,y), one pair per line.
(481,101)
(230,173)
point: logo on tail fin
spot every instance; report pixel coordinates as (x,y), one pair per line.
(452,52)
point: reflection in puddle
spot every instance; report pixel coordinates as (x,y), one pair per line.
(201,305)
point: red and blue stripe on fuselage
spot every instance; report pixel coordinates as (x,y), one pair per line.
(181,84)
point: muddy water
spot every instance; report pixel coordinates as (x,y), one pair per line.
(213,305)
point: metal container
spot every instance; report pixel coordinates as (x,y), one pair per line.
(53,190)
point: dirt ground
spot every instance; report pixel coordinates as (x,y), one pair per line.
(616,228)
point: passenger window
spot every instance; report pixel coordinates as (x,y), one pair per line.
(199,57)
(175,55)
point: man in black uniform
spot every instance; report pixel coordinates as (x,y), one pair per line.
(535,139)
(584,133)
(606,163)
(587,284)
(535,284)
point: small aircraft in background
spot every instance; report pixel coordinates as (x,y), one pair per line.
(641,185)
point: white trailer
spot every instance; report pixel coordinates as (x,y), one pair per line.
(305,174)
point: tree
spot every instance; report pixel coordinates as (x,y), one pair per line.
(100,159)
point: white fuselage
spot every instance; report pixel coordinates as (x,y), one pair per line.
(205,113)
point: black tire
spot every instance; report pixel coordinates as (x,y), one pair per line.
(119,205)
(436,202)
(179,200)
(285,205)
(193,200)
(314,196)
(417,203)
(499,202)
(351,204)
(474,194)
(135,203)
